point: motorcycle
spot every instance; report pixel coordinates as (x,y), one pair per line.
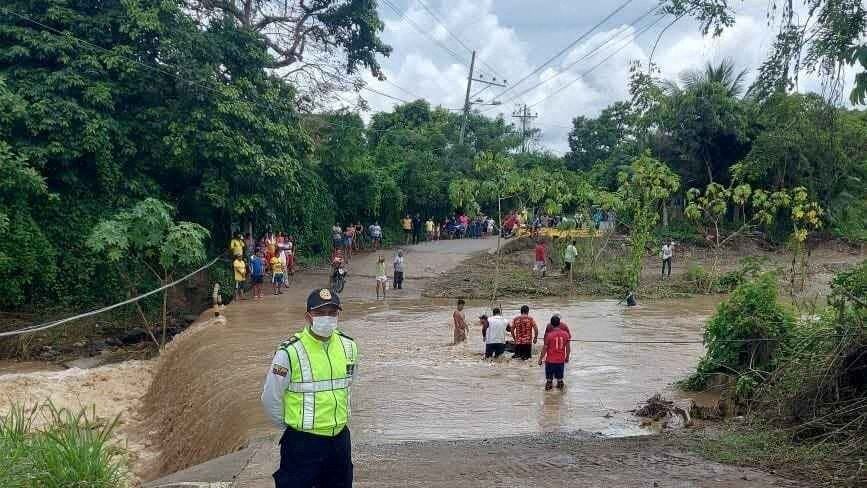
(338,276)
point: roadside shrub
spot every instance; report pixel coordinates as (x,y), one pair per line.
(822,384)
(71,450)
(699,277)
(750,267)
(744,335)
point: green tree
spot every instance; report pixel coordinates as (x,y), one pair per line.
(304,39)
(595,140)
(24,257)
(145,105)
(825,40)
(805,141)
(642,192)
(702,128)
(724,74)
(147,235)
(711,206)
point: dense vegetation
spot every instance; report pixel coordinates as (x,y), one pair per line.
(803,380)
(47,447)
(106,104)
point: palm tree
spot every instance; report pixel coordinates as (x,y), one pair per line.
(723,73)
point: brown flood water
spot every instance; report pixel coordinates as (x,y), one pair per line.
(411,384)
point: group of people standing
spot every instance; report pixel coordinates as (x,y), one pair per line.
(273,255)
(459,226)
(355,238)
(524,333)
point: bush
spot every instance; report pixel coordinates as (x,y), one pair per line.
(823,381)
(72,449)
(744,335)
(750,268)
(697,275)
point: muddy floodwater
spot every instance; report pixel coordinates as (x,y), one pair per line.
(413,385)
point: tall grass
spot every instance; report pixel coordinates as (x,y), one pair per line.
(71,450)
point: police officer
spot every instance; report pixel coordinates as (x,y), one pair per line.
(306,392)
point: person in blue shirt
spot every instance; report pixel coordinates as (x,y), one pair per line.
(257,273)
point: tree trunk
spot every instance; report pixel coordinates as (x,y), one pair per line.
(165,312)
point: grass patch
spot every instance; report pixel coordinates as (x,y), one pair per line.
(764,446)
(71,449)
(759,448)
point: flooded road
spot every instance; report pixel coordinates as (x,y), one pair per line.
(413,385)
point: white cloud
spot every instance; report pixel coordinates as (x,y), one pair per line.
(422,67)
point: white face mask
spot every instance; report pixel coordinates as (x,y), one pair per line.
(324,325)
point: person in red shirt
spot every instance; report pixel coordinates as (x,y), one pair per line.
(555,354)
(525,333)
(563,325)
(540,258)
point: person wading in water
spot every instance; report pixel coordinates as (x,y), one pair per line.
(460,323)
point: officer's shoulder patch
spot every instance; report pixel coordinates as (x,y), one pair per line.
(288,342)
(279,370)
(341,334)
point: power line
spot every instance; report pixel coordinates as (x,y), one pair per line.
(421,31)
(587,55)
(55,323)
(570,46)
(455,37)
(384,94)
(443,24)
(414,95)
(582,75)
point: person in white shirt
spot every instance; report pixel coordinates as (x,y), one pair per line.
(495,335)
(376,235)
(397,281)
(666,254)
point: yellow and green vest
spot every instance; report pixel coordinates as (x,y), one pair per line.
(317,399)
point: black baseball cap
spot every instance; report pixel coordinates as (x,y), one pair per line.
(322,297)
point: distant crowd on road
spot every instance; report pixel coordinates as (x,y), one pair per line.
(524,333)
(458,226)
(272,256)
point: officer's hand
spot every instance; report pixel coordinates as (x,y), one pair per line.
(540,362)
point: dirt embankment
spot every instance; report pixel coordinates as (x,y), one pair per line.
(600,270)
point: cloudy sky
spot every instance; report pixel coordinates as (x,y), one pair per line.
(514,37)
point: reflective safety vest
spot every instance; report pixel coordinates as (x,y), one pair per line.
(317,399)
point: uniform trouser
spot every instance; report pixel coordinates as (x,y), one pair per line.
(666,262)
(310,460)
(397,282)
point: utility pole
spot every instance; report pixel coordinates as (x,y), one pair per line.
(524,115)
(468,104)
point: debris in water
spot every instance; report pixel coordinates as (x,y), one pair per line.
(658,408)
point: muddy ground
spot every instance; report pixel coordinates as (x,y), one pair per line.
(474,278)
